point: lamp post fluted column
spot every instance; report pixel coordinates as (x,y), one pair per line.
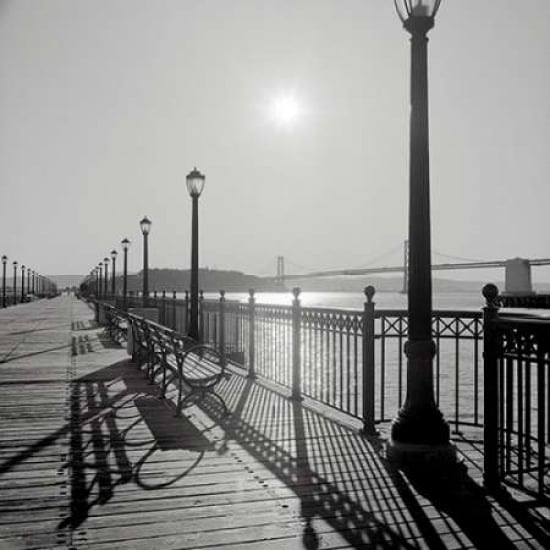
(114,254)
(4,262)
(419,424)
(14,283)
(195,185)
(22,283)
(100,286)
(125,243)
(106,278)
(145,225)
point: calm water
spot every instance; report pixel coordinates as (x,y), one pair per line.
(352,300)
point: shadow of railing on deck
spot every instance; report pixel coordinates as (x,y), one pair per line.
(352,487)
(99,443)
(11,357)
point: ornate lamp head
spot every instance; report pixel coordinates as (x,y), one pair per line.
(195,183)
(145,225)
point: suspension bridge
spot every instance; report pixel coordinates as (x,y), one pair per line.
(517,270)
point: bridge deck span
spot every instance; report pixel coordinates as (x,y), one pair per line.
(400,269)
(91,458)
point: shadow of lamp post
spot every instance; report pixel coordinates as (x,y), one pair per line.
(195,185)
(125,243)
(145,225)
(114,254)
(419,432)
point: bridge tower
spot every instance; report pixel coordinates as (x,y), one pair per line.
(405,267)
(518,277)
(281,270)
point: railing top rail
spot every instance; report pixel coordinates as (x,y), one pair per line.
(331,310)
(523,321)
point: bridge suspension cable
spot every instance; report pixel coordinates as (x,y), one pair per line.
(459,258)
(369,263)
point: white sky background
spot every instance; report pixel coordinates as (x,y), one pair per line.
(105,106)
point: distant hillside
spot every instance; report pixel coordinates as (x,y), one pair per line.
(210,280)
(63,281)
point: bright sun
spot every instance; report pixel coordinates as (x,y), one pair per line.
(285,110)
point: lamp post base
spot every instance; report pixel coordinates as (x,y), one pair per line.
(420,439)
(414,456)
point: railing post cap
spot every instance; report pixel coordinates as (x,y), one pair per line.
(490,293)
(370,291)
(251,291)
(222,294)
(296,291)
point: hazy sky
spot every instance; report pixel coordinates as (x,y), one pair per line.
(105,106)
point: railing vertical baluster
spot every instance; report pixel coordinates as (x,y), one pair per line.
(520,415)
(400,363)
(296,346)
(540,422)
(437,360)
(457,373)
(251,335)
(368,363)
(527,430)
(476,371)
(491,397)
(548,409)
(383,323)
(222,327)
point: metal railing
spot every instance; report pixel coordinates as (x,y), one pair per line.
(322,353)
(517,398)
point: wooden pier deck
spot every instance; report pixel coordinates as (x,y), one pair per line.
(90,457)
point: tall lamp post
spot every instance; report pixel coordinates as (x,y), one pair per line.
(4,262)
(419,427)
(114,254)
(22,283)
(145,225)
(14,283)
(100,279)
(125,243)
(29,288)
(195,185)
(34,282)
(106,278)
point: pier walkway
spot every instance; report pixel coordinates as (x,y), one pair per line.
(90,457)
